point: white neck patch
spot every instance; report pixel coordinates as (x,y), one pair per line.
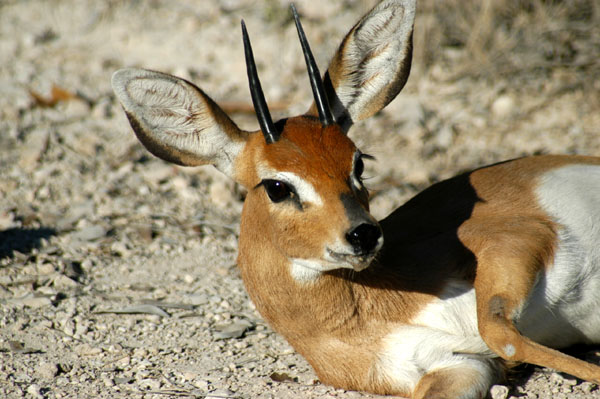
(305,270)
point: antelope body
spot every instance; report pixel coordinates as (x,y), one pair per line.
(496,265)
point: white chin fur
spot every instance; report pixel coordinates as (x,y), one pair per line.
(308,270)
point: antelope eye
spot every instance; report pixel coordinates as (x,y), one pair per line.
(359,168)
(277,190)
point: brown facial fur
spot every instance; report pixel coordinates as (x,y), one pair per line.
(321,156)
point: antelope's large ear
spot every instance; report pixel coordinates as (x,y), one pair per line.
(372,63)
(176,121)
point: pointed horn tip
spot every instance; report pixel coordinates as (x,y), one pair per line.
(296,16)
(319,94)
(258,100)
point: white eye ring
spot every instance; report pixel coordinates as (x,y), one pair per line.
(305,191)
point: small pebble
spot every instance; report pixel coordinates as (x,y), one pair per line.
(220,393)
(149,384)
(62,282)
(34,390)
(90,233)
(503,106)
(46,371)
(35,302)
(87,350)
(35,145)
(499,392)
(108,382)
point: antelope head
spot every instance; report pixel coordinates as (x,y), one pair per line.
(306,200)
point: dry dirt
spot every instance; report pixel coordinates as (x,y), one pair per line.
(117,270)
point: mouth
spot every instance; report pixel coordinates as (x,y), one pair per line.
(356,262)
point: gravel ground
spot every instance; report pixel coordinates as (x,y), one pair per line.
(117,270)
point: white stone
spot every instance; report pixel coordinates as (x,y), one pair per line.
(503,107)
(499,392)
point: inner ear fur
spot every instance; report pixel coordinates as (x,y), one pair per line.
(372,63)
(177,121)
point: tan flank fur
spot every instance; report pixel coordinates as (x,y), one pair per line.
(495,266)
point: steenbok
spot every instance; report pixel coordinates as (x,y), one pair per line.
(494,266)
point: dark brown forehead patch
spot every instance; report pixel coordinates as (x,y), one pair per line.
(312,151)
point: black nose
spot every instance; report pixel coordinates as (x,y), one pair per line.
(364,238)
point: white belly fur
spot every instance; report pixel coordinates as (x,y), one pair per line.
(443,335)
(564,309)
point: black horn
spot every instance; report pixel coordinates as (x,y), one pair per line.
(258,98)
(314,75)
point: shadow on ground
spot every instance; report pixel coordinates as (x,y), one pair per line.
(22,240)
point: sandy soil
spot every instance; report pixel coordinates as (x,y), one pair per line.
(117,270)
